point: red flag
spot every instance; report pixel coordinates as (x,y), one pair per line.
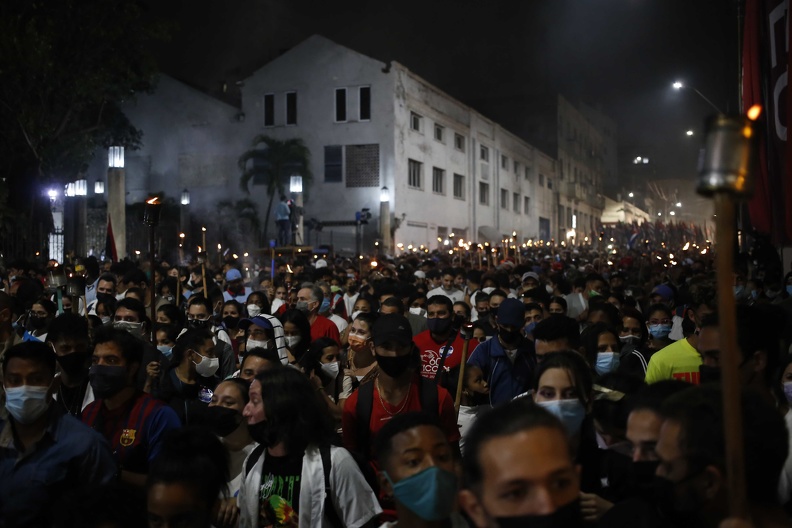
(110,246)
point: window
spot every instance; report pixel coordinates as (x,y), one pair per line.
(561,216)
(364,103)
(483,193)
(541,180)
(438,131)
(269,110)
(527,205)
(333,163)
(549,183)
(415,121)
(459,142)
(516,169)
(362,165)
(504,199)
(438,180)
(504,163)
(459,186)
(516,203)
(291,108)
(340,105)
(527,173)
(414,170)
(484,153)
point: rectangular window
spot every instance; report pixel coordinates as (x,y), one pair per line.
(527,172)
(291,108)
(362,165)
(549,183)
(504,163)
(484,153)
(459,186)
(414,170)
(438,180)
(459,142)
(483,193)
(415,121)
(438,133)
(340,105)
(527,205)
(561,216)
(516,203)
(541,180)
(269,110)
(516,168)
(504,199)
(333,164)
(364,103)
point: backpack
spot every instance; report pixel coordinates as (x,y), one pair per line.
(324,452)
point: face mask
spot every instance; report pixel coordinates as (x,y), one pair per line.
(166,350)
(107,380)
(709,374)
(221,420)
(643,474)
(439,325)
(789,289)
(136,329)
(253,343)
(660,331)
(549,289)
(593,294)
(606,362)
(509,336)
(330,369)
(739,290)
(262,434)
(27,403)
(567,516)
(417,310)
(570,412)
(291,341)
(303,307)
(105,298)
(38,322)
(230,321)
(483,315)
(355,314)
(253,310)
(74,364)
(754,294)
(788,391)
(630,340)
(325,306)
(200,323)
(356,343)
(529,327)
(679,509)
(105,320)
(393,366)
(430,494)
(207,366)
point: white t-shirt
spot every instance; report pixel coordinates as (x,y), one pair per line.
(785,482)
(236,466)
(454,294)
(468,415)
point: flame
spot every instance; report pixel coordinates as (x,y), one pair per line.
(754,112)
(288,269)
(153,201)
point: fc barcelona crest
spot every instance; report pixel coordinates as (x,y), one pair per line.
(127,437)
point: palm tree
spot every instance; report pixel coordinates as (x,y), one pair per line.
(271,162)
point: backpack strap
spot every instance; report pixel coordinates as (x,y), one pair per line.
(427,392)
(329,509)
(440,372)
(363,409)
(253,458)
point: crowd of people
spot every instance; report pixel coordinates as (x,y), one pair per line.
(555,388)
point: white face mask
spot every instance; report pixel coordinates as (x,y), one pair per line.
(105,320)
(330,369)
(549,289)
(26,403)
(291,341)
(417,310)
(250,344)
(207,366)
(253,310)
(136,329)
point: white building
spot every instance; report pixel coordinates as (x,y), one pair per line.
(368,125)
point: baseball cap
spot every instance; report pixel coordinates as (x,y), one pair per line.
(233,274)
(529,275)
(391,327)
(321,263)
(511,312)
(420,274)
(244,324)
(664,291)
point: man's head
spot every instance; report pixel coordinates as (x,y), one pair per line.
(482,305)
(392,305)
(130,315)
(595,285)
(393,345)
(518,463)
(496,298)
(530,280)
(117,356)
(106,285)
(309,299)
(257,361)
(645,418)
(447,280)
(439,313)
(68,337)
(510,320)
(555,333)
(199,312)
(28,371)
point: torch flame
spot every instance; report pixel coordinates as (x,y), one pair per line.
(754,112)
(152,201)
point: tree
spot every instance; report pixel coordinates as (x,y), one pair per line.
(272,162)
(65,69)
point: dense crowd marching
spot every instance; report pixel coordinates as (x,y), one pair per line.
(556,387)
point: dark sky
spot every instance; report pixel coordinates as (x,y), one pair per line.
(620,54)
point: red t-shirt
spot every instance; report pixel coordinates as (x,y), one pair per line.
(379,415)
(324,327)
(432,351)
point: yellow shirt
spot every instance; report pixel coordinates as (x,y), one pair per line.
(679,361)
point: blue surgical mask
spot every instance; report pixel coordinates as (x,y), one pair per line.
(166,350)
(529,328)
(430,494)
(660,331)
(325,307)
(789,289)
(738,291)
(606,362)
(570,412)
(26,403)
(754,294)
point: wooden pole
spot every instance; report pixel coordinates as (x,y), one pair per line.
(729,356)
(467,334)
(152,293)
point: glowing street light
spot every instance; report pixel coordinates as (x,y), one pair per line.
(689,133)
(679,204)
(631,195)
(678,85)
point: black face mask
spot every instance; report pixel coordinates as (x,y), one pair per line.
(263,434)
(74,364)
(222,421)
(510,337)
(200,323)
(105,298)
(483,315)
(680,509)
(709,374)
(107,380)
(643,475)
(230,321)
(393,366)
(439,325)
(37,322)
(567,516)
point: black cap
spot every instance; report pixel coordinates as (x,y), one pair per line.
(391,328)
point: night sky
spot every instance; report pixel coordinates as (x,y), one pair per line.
(621,55)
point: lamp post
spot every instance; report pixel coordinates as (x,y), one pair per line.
(296,187)
(116,202)
(385,222)
(81,193)
(678,85)
(151,217)
(184,215)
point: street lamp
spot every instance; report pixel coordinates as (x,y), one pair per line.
(679,204)
(185,197)
(689,133)
(184,213)
(385,223)
(631,195)
(99,187)
(678,85)
(296,187)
